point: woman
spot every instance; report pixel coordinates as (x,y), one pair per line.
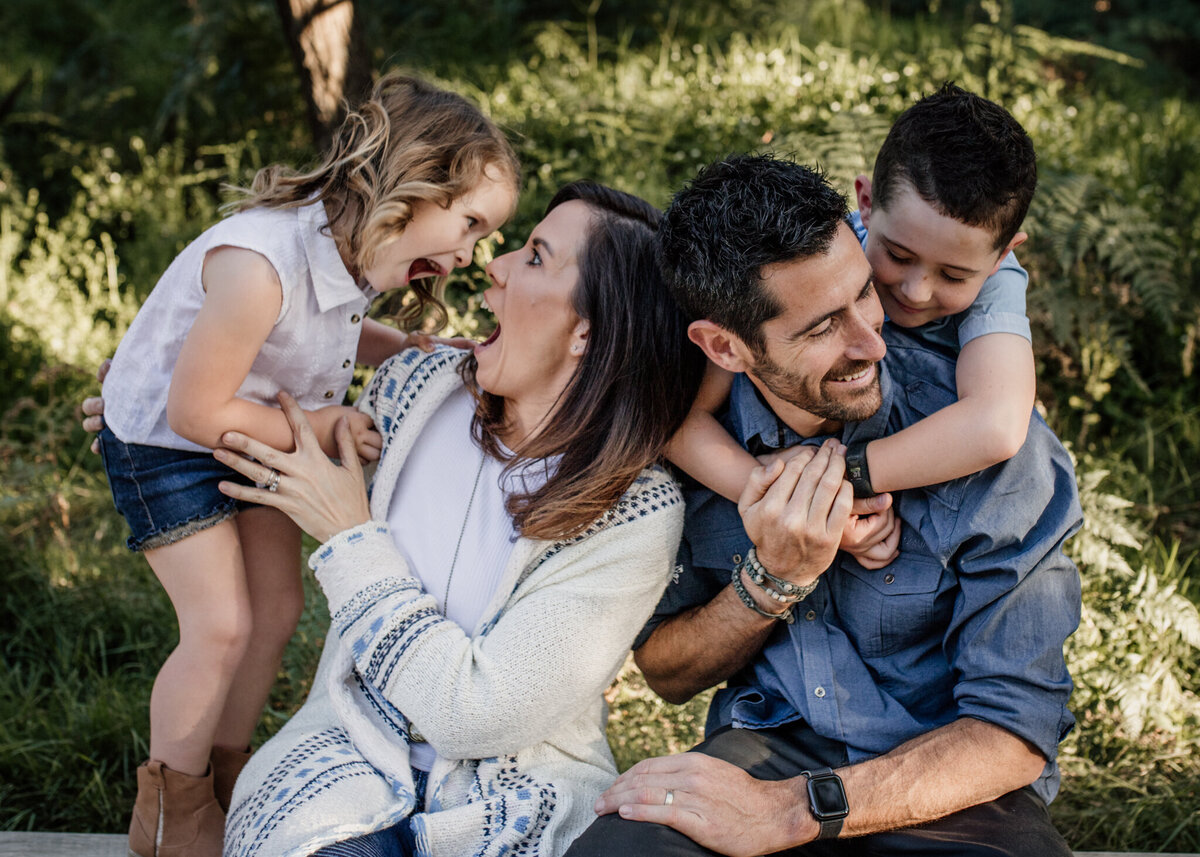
(518,534)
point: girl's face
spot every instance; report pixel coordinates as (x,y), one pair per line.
(539,338)
(437,240)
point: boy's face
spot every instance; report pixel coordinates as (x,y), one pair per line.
(926,265)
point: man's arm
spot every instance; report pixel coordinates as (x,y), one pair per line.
(721,807)
(794,513)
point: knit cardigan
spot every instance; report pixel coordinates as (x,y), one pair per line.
(515,709)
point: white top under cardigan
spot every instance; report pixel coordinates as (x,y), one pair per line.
(449,521)
(309,353)
(515,709)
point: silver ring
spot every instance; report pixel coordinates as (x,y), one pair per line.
(670,798)
(273,481)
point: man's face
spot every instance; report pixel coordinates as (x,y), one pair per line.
(822,351)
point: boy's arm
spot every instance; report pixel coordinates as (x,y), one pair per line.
(703,449)
(987,425)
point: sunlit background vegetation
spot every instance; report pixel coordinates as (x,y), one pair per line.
(119,120)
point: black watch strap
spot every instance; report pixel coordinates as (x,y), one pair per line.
(827,801)
(857,473)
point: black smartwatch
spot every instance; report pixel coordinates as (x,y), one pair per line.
(827,800)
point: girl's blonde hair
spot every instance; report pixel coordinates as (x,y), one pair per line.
(410,141)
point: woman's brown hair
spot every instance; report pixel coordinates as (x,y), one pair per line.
(409,141)
(632,388)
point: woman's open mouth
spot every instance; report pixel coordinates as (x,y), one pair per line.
(495,335)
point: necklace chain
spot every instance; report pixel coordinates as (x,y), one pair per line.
(462,532)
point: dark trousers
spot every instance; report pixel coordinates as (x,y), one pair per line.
(1016,824)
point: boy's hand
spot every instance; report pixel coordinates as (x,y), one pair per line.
(872,535)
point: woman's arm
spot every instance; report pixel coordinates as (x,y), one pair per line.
(548,657)
(987,425)
(242,301)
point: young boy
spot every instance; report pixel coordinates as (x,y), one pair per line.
(952,184)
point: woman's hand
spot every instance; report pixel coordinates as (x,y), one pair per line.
(93,408)
(322,497)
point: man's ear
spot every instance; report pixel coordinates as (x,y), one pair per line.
(1017,241)
(723,348)
(862,192)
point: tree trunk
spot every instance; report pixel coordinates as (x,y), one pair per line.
(331,59)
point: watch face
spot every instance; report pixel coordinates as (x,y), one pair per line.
(828,797)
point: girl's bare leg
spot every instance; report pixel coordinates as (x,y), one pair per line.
(271,549)
(205,579)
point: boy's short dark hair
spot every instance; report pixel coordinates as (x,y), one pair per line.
(736,217)
(964,155)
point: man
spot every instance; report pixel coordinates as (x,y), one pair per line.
(935,687)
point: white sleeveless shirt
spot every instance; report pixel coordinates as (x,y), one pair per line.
(310,352)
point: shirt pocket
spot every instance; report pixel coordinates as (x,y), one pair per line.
(720,550)
(888,609)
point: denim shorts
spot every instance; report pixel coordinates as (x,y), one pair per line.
(166,494)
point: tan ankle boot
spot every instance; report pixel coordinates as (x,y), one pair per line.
(175,815)
(226,765)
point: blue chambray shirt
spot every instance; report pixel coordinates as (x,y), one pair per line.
(969,620)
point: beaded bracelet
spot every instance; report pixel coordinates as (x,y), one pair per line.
(748,599)
(780,590)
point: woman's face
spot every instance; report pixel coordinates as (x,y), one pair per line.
(539,338)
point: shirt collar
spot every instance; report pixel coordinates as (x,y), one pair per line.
(332,283)
(759,430)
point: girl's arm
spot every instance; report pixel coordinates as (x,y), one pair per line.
(987,425)
(242,300)
(380,341)
(703,449)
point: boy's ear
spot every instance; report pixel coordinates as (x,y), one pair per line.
(862,192)
(1017,241)
(720,346)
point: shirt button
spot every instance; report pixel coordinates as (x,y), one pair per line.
(819,693)
(737,557)
(345,364)
(329,394)
(889,578)
(355,319)
(810,615)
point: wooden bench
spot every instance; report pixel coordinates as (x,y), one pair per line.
(113,845)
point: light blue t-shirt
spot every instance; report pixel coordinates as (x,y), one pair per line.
(1000,307)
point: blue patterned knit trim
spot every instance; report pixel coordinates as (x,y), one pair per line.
(518,811)
(406,633)
(392,397)
(321,761)
(369,597)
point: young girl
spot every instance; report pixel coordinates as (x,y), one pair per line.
(273,298)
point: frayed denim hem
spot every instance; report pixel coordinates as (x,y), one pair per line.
(187,528)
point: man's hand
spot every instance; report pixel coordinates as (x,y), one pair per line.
(714,803)
(795,512)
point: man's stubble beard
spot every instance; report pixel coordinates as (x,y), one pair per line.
(795,390)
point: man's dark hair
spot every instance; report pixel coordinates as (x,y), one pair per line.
(736,217)
(964,155)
